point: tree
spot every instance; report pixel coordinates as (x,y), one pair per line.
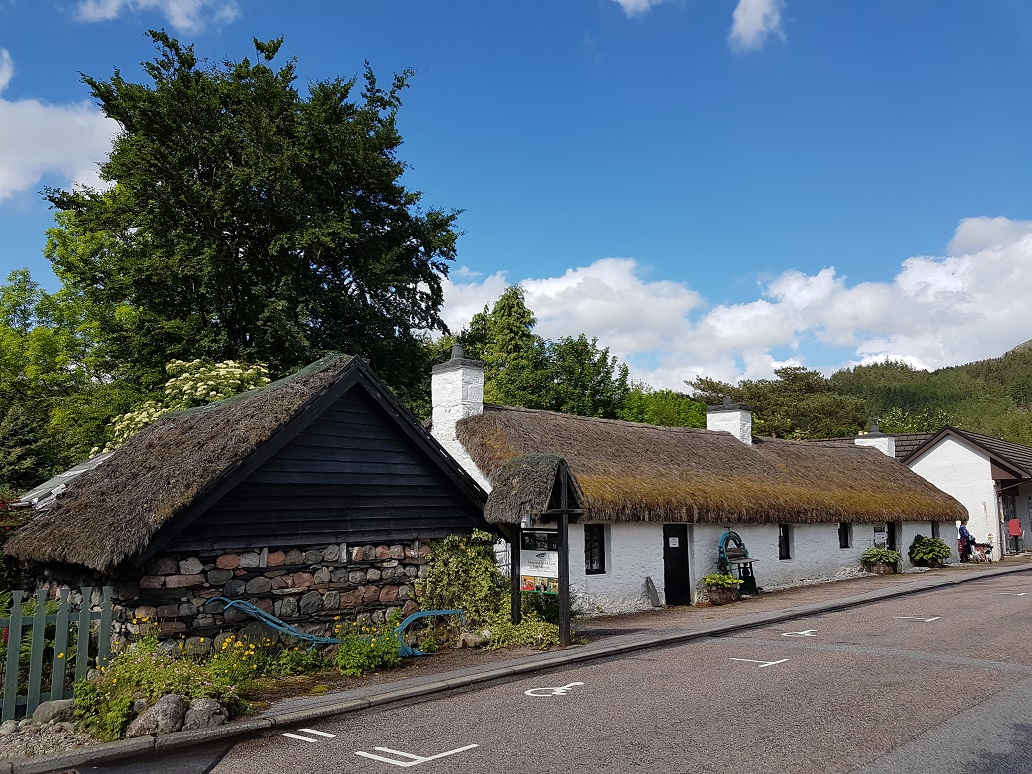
(515,358)
(55,396)
(898,420)
(799,403)
(661,407)
(248,223)
(583,379)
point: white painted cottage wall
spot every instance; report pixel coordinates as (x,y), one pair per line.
(965,473)
(634,551)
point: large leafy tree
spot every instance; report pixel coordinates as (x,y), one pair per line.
(55,396)
(248,222)
(799,403)
(572,374)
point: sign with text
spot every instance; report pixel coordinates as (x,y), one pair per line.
(539,561)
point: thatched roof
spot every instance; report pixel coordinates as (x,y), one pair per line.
(526,486)
(634,472)
(163,469)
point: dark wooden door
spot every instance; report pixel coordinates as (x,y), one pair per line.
(676,579)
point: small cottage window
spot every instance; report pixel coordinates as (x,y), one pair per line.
(845,535)
(784,541)
(594,549)
(935,529)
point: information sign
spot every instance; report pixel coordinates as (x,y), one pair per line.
(539,561)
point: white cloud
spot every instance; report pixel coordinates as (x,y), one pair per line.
(637,7)
(6,68)
(37,139)
(752,22)
(937,311)
(183,15)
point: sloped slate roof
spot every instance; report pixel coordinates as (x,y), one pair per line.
(1014,455)
(635,472)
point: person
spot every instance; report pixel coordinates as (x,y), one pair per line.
(1015,532)
(967,542)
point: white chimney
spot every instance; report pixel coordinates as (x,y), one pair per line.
(883,442)
(734,418)
(457,392)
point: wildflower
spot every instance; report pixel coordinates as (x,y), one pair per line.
(60,655)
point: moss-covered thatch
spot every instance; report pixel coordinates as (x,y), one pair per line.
(634,472)
(525,488)
(163,469)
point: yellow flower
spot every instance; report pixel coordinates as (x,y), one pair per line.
(60,655)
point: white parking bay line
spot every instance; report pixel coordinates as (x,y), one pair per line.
(308,738)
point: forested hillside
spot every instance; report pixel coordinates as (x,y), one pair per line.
(988,396)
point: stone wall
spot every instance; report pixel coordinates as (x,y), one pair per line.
(313,588)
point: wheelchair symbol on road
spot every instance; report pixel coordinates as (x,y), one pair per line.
(807,633)
(560,691)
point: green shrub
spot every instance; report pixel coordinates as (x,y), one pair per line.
(360,655)
(878,555)
(298,660)
(721,580)
(463,574)
(145,671)
(929,551)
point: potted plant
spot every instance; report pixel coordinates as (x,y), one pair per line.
(929,551)
(721,588)
(881,561)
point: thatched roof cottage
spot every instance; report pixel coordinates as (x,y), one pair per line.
(313,497)
(656,500)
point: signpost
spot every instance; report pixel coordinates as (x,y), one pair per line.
(540,559)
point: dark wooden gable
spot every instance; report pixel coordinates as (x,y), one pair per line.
(354,474)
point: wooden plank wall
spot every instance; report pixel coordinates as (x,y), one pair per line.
(352,477)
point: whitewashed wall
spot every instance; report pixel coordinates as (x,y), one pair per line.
(965,473)
(634,551)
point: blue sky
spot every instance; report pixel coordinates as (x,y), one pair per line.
(707,186)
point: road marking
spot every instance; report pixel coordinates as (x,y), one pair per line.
(807,633)
(412,759)
(308,738)
(761,663)
(918,618)
(560,691)
(1011,593)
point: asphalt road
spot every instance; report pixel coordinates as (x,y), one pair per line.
(933,682)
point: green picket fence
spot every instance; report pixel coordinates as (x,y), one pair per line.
(30,644)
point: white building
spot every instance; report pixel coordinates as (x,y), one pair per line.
(990,477)
(655,501)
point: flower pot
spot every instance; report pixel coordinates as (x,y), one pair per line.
(882,568)
(721,595)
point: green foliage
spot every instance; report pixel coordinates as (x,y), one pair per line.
(359,655)
(900,420)
(929,551)
(989,396)
(721,580)
(799,403)
(249,222)
(193,383)
(462,574)
(878,555)
(661,407)
(572,375)
(104,707)
(54,395)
